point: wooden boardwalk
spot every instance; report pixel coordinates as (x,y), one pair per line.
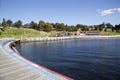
(12,69)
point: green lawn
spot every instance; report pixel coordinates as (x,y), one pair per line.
(21,32)
(109,32)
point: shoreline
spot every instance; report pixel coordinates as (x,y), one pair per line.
(35,39)
(18,57)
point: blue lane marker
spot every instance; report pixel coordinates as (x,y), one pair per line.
(50,75)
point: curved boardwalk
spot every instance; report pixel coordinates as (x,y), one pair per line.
(13,69)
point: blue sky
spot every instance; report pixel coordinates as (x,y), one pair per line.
(70,12)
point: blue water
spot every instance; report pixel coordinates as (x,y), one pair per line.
(81,59)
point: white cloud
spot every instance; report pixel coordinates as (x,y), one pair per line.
(108,11)
(118,9)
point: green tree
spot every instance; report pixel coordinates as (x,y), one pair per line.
(113,29)
(33,25)
(18,24)
(109,25)
(66,27)
(101,26)
(9,22)
(117,28)
(60,26)
(69,28)
(75,28)
(83,28)
(57,26)
(4,23)
(48,27)
(79,25)
(41,25)
(96,27)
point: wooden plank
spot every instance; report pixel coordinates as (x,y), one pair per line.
(12,69)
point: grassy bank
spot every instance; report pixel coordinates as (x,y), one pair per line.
(109,32)
(21,32)
(26,32)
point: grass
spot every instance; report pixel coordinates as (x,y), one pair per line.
(21,32)
(26,33)
(109,32)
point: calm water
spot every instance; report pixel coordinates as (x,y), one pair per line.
(81,59)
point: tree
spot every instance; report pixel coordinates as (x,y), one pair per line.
(45,26)
(96,27)
(4,23)
(9,22)
(59,26)
(62,26)
(113,29)
(79,25)
(75,28)
(18,24)
(117,28)
(66,27)
(48,27)
(33,25)
(83,28)
(90,28)
(101,26)
(109,25)
(41,25)
(69,28)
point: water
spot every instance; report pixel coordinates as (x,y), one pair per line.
(81,59)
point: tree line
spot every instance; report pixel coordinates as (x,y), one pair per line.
(46,26)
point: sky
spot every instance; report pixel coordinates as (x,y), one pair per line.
(70,12)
